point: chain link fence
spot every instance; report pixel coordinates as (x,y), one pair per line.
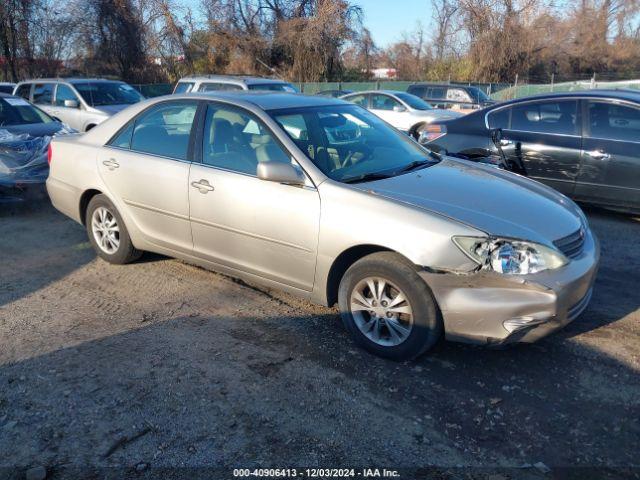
(311,88)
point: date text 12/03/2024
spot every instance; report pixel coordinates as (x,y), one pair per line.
(316,473)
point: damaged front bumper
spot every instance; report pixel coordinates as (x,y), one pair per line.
(490,308)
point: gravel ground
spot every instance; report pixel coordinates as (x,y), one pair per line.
(131,369)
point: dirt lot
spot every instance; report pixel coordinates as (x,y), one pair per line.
(160,365)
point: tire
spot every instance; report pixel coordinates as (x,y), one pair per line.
(117,247)
(424,322)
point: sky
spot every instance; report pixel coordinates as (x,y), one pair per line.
(388,19)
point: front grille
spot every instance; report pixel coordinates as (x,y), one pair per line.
(571,246)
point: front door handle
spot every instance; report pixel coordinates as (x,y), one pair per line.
(505,143)
(111,163)
(599,155)
(203,186)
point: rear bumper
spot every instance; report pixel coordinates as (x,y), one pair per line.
(489,308)
(65,198)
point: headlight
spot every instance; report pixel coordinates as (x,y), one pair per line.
(510,257)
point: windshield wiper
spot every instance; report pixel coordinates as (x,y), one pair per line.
(366,177)
(415,165)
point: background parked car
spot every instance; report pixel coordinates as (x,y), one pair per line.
(25,132)
(404,111)
(334,93)
(208,83)
(458,97)
(81,103)
(584,144)
(6,87)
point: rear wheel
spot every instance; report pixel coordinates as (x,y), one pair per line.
(388,309)
(107,232)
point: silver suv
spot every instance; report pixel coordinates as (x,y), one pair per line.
(208,83)
(81,103)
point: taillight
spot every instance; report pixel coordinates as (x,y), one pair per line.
(431,133)
(49,154)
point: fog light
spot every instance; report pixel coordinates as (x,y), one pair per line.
(518,323)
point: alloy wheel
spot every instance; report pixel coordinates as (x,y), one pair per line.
(105,230)
(381,311)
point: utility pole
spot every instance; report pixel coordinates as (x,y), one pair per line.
(515,87)
(553,76)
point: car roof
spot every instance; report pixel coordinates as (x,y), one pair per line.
(387,92)
(247,79)
(268,100)
(621,94)
(439,85)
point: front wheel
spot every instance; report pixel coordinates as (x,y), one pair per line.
(107,232)
(387,308)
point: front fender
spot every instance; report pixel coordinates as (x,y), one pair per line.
(352,218)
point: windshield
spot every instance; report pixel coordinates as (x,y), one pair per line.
(274,87)
(17,111)
(108,93)
(414,102)
(350,144)
(478,95)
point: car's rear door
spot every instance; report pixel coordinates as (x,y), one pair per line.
(610,172)
(241,222)
(543,141)
(146,170)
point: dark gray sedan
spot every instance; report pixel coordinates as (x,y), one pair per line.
(584,144)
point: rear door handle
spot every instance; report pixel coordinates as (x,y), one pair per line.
(203,186)
(598,155)
(111,163)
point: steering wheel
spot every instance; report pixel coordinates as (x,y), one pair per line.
(364,149)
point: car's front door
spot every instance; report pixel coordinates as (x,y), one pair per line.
(69,115)
(255,226)
(543,141)
(146,170)
(43,96)
(390,110)
(610,170)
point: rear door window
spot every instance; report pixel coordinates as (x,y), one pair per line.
(43,93)
(437,93)
(613,121)
(383,102)
(555,117)
(361,100)
(215,86)
(164,130)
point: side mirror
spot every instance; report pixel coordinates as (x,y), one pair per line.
(398,108)
(280,172)
(71,103)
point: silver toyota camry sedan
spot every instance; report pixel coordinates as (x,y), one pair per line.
(323,199)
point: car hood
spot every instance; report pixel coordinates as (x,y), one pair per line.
(497,202)
(110,109)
